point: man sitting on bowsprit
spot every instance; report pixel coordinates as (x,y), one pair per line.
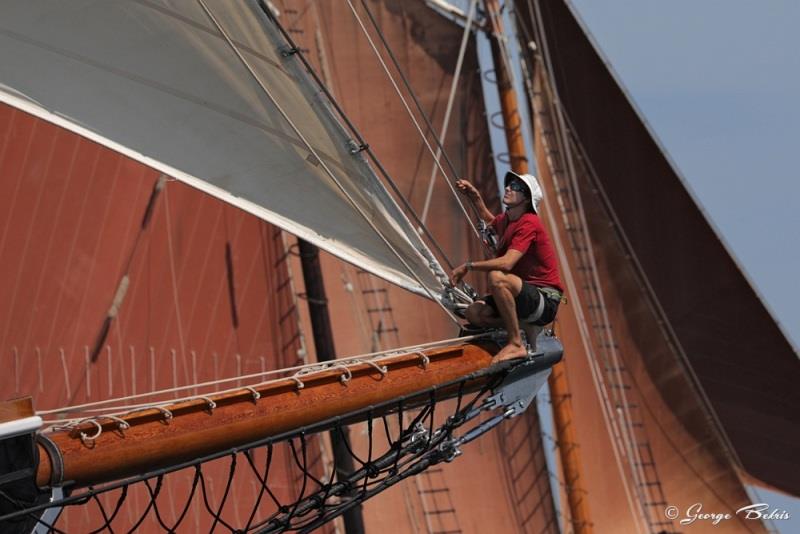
(523,277)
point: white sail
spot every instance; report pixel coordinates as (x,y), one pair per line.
(200,90)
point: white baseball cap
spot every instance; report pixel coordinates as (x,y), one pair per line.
(533,187)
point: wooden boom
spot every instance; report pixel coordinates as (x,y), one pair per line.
(161,437)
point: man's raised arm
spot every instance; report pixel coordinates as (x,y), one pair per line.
(472,192)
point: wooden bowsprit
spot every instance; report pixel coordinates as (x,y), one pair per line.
(112,453)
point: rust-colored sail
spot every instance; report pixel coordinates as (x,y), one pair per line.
(714,315)
(655,302)
(207,287)
(208,290)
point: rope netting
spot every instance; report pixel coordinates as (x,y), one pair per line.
(285,482)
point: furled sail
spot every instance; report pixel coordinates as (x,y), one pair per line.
(207,92)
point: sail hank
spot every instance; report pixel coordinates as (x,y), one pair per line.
(214,99)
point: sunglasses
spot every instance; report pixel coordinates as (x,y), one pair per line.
(517,186)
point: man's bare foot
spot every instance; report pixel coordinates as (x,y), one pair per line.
(510,352)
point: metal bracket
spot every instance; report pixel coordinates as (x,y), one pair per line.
(524,381)
(50,515)
(287,51)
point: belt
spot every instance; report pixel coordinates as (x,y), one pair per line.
(551,293)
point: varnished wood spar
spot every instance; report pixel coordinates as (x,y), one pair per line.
(16,409)
(512,120)
(195,431)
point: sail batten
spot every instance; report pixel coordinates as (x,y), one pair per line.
(168,90)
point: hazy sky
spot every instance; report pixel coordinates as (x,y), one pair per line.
(718,81)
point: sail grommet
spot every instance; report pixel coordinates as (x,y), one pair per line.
(356,148)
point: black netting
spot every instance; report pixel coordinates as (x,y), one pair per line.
(282,483)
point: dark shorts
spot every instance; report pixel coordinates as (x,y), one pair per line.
(527,302)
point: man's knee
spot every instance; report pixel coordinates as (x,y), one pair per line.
(498,280)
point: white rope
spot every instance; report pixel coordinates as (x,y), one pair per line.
(425,359)
(382,369)
(450,99)
(174,278)
(256,395)
(422,135)
(313,367)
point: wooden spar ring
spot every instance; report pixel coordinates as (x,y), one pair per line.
(195,431)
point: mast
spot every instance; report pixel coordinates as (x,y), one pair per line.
(508,96)
(326,351)
(559,387)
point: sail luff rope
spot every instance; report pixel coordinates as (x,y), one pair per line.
(450,99)
(325,166)
(411,114)
(361,142)
(351,360)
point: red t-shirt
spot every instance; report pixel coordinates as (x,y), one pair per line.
(538,264)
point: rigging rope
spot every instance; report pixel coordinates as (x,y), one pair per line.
(360,140)
(450,99)
(174,279)
(585,336)
(410,113)
(502,41)
(296,370)
(324,165)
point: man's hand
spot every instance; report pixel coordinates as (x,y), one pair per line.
(459,273)
(468,189)
(472,192)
